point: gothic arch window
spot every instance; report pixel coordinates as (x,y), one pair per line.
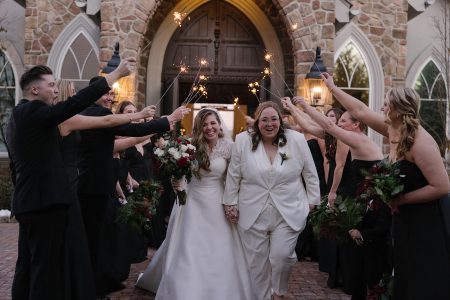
(351,74)
(7,92)
(74,55)
(80,62)
(351,34)
(431,87)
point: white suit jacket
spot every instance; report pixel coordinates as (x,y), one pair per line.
(251,180)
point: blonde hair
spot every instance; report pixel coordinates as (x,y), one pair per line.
(199,141)
(65,89)
(405,101)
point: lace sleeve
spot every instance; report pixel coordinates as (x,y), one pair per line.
(222,149)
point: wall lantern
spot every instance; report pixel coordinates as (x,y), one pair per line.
(124,87)
(317,91)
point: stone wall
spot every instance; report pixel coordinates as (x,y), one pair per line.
(385,24)
(134,23)
(44,21)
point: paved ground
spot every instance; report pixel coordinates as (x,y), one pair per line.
(306,282)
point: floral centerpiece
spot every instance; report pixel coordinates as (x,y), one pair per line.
(177,160)
(140,206)
(382,182)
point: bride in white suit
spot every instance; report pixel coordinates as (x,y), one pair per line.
(265,194)
(201,257)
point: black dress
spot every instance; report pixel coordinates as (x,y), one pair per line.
(328,252)
(79,279)
(421,251)
(306,244)
(363,266)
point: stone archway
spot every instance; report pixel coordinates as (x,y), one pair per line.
(136,23)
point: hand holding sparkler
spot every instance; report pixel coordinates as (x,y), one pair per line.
(125,68)
(328,80)
(177,115)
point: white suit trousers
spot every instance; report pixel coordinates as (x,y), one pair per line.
(269,247)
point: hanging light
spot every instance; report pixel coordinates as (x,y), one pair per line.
(316,89)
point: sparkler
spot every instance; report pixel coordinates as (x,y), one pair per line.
(183,69)
(253,87)
(235,103)
(268,57)
(202,62)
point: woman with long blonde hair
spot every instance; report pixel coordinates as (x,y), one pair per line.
(421,248)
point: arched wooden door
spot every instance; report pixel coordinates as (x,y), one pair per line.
(223,36)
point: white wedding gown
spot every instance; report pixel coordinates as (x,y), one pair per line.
(201,257)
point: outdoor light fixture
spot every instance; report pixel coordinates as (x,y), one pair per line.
(316,89)
(123,88)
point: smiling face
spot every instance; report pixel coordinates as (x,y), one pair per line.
(106,100)
(211,129)
(269,123)
(45,89)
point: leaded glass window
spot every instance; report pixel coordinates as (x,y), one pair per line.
(7,92)
(433,102)
(351,74)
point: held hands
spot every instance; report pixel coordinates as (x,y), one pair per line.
(231,213)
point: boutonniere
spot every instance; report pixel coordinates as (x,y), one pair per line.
(284,156)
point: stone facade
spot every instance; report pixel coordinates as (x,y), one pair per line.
(385,24)
(44,21)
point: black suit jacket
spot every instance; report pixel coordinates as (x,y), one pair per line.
(33,138)
(95,161)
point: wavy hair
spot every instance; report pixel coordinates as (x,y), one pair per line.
(198,139)
(280,139)
(405,101)
(65,89)
(331,141)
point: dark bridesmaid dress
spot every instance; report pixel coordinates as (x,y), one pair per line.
(421,248)
(79,281)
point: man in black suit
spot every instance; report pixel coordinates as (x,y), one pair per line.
(96,185)
(39,201)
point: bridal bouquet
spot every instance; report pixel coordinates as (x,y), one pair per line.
(141,205)
(177,159)
(382,183)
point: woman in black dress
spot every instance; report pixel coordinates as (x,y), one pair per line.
(356,257)
(421,248)
(78,271)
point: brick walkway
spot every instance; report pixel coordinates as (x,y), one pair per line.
(306,282)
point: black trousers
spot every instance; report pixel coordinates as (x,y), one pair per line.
(39,270)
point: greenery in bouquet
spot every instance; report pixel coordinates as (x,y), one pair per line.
(141,205)
(334,222)
(324,220)
(176,159)
(383,182)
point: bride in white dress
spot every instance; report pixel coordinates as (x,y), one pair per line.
(202,256)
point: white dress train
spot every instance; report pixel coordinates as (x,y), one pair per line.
(202,255)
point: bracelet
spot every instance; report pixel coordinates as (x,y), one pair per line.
(331,89)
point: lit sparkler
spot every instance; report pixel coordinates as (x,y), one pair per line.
(183,69)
